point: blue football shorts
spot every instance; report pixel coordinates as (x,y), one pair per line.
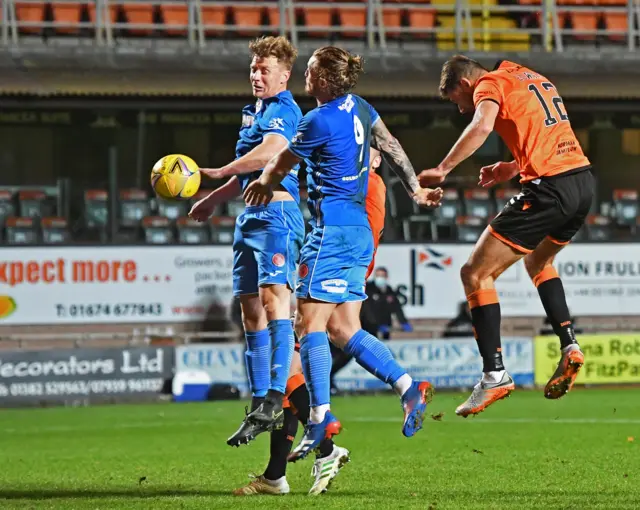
(266,246)
(334,262)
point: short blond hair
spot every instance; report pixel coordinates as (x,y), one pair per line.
(279,47)
(339,68)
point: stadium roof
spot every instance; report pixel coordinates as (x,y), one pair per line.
(221,70)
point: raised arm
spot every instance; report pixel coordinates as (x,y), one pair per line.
(394,155)
(252,161)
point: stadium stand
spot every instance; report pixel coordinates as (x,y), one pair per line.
(141,219)
(490,25)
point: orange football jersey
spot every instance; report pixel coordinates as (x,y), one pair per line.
(532,121)
(375,204)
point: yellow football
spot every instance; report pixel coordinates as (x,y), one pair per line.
(175,177)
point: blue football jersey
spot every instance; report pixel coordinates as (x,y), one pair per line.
(334,141)
(277,115)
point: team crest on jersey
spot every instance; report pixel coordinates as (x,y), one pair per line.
(276,123)
(303,270)
(278,260)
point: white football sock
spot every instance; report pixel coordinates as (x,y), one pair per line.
(493,377)
(571,347)
(317,413)
(402,384)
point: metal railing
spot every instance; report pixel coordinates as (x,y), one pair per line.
(463,25)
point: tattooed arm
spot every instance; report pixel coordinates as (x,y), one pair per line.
(394,155)
(397,159)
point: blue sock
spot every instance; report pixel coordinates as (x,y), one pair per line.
(316,365)
(375,357)
(282,344)
(258,358)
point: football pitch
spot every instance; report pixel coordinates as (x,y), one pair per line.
(525,452)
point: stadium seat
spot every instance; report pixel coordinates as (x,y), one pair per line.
(222,228)
(273,19)
(477,202)
(32,13)
(35,204)
(139,13)
(584,18)
(133,206)
(55,231)
(157,230)
(235,207)
(407,213)
(7,206)
(176,18)
(191,231)
(598,228)
(391,18)
(247,19)
(213,15)
(450,209)
(21,231)
(172,209)
(112,13)
(625,205)
(67,15)
(469,228)
(616,20)
(96,210)
(503,195)
(420,18)
(318,17)
(352,17)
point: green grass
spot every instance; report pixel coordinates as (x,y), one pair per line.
(525,452)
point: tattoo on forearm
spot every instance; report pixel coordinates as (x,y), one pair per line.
(394,155)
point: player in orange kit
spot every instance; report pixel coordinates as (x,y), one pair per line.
(557,189)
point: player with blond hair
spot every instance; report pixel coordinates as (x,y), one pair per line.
(334,140)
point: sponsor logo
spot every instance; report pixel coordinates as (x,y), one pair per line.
(335,286)
(434,259)
(276,123)
(421,259)
(7,306)
(278,260)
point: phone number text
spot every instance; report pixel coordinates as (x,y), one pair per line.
(108,309)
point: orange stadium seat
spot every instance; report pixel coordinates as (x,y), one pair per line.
(213,15)
(68,14)
(392,18)
(30,13)
(55,230)
(22,231)
(247,17)
(421,18)
(318,17)
(352,18)
(139,13)
(176,15)
(273,18)
(113,13)
(586,19)
(616,20)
